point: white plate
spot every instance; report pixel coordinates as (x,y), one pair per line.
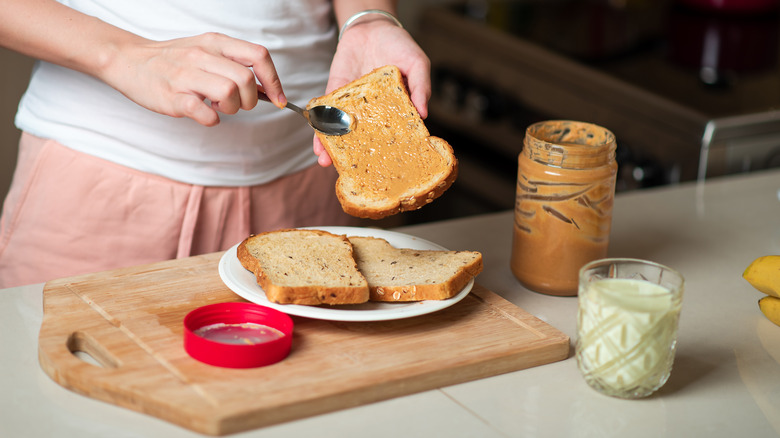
(243,283)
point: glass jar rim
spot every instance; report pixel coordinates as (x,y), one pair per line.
(675,275)
(564,128)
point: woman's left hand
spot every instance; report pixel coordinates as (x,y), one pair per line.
(372,44)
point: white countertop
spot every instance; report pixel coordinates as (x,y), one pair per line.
(725,381)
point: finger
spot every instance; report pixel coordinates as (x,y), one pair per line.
(323,159)
(272,86)
(420,101)
(419,81)
(225,98)
(221,91)
(241,89)
(258,57)
(192,106)
(318,147)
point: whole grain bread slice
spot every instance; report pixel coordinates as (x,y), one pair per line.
(297,266)
(402,274)
(389,162)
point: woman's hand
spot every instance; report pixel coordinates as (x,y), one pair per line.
(196,77)
(170,77)
(372,44)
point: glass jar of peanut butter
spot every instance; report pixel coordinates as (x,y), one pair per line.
(563,208)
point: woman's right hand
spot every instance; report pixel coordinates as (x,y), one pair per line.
(196,77)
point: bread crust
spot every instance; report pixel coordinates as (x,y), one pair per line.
(290,267)
(373,129)
(304,295)
(374,253)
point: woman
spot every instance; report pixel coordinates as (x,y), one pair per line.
(143,139)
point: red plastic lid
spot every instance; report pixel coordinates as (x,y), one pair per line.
(237,335)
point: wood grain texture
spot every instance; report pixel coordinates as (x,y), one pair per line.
(130,320)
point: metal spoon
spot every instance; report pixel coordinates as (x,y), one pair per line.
(326,119)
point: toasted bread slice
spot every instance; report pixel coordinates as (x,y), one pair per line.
(304,267)
(389,162)
(402,274)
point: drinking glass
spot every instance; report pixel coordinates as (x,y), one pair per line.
(627,323)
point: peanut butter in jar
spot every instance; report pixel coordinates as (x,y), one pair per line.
(563,208)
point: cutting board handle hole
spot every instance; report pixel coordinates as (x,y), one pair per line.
(86,349)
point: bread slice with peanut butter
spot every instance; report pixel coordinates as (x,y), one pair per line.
(389,162)
(298,266)
(403,274)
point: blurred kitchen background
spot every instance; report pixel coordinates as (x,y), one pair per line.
(691,88)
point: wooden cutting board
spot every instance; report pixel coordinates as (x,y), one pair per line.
(130,321)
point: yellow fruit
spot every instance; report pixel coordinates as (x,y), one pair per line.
(764,274)
(770,307)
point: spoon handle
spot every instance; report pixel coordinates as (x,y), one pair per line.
(298,110)
(262,96)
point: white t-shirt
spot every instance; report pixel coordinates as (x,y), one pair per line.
(250,147)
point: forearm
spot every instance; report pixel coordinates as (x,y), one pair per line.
(50,31)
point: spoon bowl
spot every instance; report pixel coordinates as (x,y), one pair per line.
(326,119)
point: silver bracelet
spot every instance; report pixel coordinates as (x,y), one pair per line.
(351,20)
